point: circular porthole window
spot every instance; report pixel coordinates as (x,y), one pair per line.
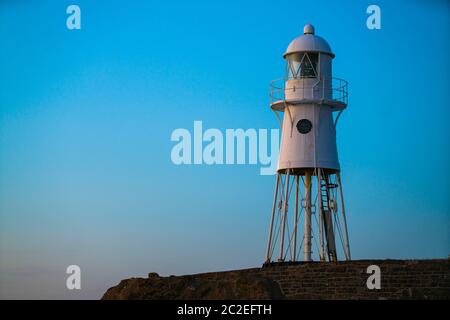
(304,126)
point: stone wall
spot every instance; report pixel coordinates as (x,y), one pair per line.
(400,279)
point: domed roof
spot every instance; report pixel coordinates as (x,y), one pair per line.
(309,42)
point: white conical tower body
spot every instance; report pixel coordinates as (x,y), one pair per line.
(311,101)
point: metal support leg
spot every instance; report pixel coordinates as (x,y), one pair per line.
(294,257)
(274,206)
(307,239)
(347,244)
(321,217)
(284,220)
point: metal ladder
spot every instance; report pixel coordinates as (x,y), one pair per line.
(327,218)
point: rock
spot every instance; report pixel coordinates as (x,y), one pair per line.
(188,287)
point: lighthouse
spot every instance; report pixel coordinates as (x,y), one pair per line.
(308,219)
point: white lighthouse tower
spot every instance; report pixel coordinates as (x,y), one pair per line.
(312,101)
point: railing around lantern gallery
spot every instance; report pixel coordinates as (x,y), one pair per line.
(334,90)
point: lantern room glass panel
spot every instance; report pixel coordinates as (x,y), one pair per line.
(302,65)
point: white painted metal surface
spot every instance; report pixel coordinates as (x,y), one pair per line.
(308,96)
(315,149)
(309,42)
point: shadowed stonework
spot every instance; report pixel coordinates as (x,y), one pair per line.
(400,279)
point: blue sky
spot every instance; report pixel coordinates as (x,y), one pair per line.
(86,117)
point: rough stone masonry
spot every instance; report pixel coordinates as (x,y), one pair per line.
(400,279)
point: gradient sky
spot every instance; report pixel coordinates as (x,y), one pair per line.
(86,118)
